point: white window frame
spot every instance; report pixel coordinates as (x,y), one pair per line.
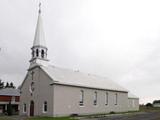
(81,102)
(95,98)
(106,98)
(133,103)
(24,107)
(45,104)
(116,99)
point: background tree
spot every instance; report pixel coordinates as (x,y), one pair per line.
(149,105)
(11,85)
(7,85)
(1,84)
(156,101)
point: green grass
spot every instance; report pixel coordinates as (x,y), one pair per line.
(148,109)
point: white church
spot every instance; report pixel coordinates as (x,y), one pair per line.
(48,90)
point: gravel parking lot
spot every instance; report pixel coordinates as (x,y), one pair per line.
(137,116)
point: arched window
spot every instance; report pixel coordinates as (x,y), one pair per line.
(37,52)
(95,98)
(116,99)
(45,107)
(81,102)
(42,53)
(106,99)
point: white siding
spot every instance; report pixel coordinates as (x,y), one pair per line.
(133,104)
(66,101)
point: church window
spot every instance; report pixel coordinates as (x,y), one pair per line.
(37,52)
(45,107)
(95,98)
(42,53)
(106,98)
(116,99)
(24,108)
(81,102)
(133,103)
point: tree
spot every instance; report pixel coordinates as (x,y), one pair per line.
(1,84)
(156,101)
(7,85)
(11,85)
(148,105)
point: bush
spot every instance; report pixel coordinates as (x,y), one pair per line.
(112,112)
(148,105)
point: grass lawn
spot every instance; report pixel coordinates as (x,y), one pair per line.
(148,109)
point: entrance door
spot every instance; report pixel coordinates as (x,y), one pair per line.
(32,108)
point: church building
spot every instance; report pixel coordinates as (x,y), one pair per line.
(48,90)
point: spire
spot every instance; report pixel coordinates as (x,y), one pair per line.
(39,49)
(39,39)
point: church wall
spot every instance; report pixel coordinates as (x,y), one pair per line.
(66,101)
(43,91)
(45,94)
(25,95)
(133,104)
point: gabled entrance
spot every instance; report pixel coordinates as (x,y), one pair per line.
(32,108)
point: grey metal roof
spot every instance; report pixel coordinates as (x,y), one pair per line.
(10,92)
(76,78)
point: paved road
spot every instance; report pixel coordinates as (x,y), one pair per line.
(12,118)
(138,116)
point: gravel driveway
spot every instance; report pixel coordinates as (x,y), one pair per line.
(137,116)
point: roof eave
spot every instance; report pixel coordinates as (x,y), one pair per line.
(73,85)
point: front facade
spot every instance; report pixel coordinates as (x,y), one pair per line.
(51,91)
(35,91)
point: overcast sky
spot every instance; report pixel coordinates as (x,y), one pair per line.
(119,39)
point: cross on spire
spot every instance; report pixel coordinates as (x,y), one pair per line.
(39,49)
(39,7)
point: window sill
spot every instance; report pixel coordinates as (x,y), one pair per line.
(81,106)
(44,112)
(95,105)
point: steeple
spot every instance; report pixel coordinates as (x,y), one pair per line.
(39,49)
(39,39)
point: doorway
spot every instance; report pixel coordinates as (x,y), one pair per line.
(32,108)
